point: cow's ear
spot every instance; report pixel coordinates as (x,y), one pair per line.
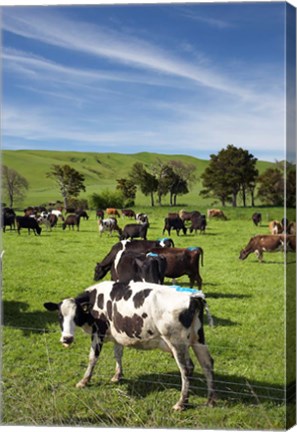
(51,306)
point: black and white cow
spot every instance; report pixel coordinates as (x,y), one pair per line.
(133,266)
(137,246)
(108,225)
(143,316)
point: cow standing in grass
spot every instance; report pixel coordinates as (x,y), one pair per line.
(142,316)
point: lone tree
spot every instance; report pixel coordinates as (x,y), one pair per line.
(69,181)
(14,185)
(146,181)
(230,172)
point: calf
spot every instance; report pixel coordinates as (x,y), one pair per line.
(110,225)
(143,316)
(174,223)
(198,223)
(71,221)
(266,243)
(182,261)
(133,231)
(137,246)
(257,218)
(8,219)
(131,266)
(29,223)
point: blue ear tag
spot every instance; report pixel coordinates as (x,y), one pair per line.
(185,289)
(192,248)
(162,239)
(152,254)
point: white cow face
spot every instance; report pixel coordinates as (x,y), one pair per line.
(67,314)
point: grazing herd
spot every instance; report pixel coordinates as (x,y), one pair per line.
(135,308)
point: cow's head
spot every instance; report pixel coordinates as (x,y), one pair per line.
(71,313)
(100,271)
(243,254)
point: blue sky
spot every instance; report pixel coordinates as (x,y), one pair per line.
(169,78)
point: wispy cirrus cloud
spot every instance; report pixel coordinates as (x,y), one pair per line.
(116,46)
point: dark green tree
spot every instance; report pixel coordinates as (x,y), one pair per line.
(69,181)
(230,172)
(146,181)
(128,188)
(271,187)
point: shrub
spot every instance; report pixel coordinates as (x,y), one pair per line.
(106,199)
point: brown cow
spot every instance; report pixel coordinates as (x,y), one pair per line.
(268,243)
(128,213)
(275,227)
(112,212)
(216,213)
(187,216)
(182,261)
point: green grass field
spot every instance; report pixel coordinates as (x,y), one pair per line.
(246,299)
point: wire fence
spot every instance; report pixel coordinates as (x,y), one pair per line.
(243,389)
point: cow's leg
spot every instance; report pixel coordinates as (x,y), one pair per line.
(118,354)
(182,358)
(259,255)
(96,346)
(206,362)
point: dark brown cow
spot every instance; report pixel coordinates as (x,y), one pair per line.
(128,213)
(100,214)
(257,218)
(174,223)
(268,243)
(71,221)
(182,261)
(112,212)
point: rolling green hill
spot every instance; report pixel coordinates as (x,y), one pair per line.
(100,170)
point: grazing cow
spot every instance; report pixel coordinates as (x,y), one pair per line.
(110,225)
(275,227)
(71,221)
(145,267)
(198,223)
(137,246)
(44,219)
(112,212)
(143,316)
(128,213)
(142,218)
(100,214)
(187,216)
(83,214)
(216,213)
(174,223)
(182,261)
(133,231)
(267,243)
(29,223)
(257,218)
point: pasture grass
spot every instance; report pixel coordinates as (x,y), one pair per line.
(246,300)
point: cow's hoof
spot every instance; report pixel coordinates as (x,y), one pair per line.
(179,407)
(81,384)
(116,379)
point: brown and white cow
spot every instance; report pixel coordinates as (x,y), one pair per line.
(216,213)
(143,316)
(187,216)
(268,243)
(110,225)
(275,227)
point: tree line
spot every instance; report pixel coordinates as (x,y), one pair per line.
(231,175)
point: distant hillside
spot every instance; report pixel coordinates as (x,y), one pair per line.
(100,170)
